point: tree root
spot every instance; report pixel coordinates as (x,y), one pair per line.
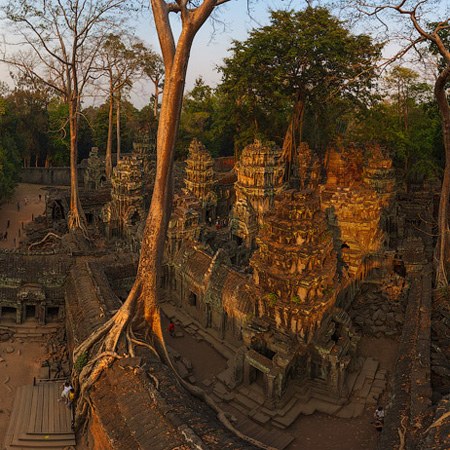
(76,222)
(202,395)
(111,341)
(117,333)
(402,432)
(48,235)
(439,421)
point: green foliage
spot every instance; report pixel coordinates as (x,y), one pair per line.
(59,135)
(273,298)
(9,153)
(203,117)
(81,361)
(134,125)
(304,55)
(407,122)
(296,299)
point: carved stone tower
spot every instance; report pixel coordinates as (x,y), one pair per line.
(95,176)
(260,176)
(200,179)
(295,264)
(126,211)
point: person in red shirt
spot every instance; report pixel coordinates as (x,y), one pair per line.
(171,328)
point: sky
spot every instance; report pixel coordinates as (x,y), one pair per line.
(233,21)
(212,42)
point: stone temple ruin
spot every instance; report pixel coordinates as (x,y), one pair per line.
(282,272)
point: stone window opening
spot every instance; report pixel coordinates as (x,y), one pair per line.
(52,314)
(102,180)
(8,312)
(90,218)
(134,219)
(30,311)
(58,212)
(192,299)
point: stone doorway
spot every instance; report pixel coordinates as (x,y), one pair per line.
(30,312)
(192,299)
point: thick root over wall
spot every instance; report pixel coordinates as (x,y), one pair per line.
(115,339)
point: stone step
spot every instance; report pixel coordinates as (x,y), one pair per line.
(351,380)
(354,409)
(291,416)
(245,401)
(273,438)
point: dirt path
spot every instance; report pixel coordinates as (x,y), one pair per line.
(322,432)
(206,361)
(16,369)
(20,208)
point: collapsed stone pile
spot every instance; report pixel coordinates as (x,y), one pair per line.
(440,345)
(379,309)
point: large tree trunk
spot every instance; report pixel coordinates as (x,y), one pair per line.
(290,142)
(108,165)
(118,125)
(161,205)
(443,230)
(155,104)
(76,215)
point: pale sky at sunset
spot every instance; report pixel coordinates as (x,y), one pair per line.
(210,45)
(213,40)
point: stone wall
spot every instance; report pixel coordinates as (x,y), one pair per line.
(52,176)
(18,268)
(128,411)
(407,414)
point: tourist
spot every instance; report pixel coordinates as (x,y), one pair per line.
(65,392)
(40,197)
(7,224)
(171,328)
(378,417)
(5,236)
(70,396)
(18,206)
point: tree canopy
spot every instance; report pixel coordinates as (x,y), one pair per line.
(307,57)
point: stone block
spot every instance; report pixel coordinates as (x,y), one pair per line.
(261,418)
(181,369)
(187,363)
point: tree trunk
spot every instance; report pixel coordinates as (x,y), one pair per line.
(161,205)
(295,125)
(443,231)
(155,104)
(108,165)
(118,125)
(76,215)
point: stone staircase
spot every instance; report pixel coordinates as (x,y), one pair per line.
(38,421)
(33,331)
(365,387)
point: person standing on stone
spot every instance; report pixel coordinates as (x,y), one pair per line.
(7,224)
(378,417)
(65,392)
(18,206)
(171,329)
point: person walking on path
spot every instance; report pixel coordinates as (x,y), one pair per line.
(171,329)
(378,417)
(65,393)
